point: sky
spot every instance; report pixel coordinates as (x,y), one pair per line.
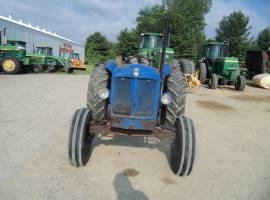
(77,19)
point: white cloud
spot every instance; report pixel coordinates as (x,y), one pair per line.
(76,19)
(222,8)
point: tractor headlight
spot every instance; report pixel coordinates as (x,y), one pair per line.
(136,72)
(103,93)
(166,99)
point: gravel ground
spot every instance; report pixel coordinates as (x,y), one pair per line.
(233,137)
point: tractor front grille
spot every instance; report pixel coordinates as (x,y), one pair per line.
(133,97)
(122,96)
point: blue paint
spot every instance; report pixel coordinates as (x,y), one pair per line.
(135,100)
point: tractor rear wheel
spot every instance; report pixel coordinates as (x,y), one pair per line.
(183,147)
(176,86)
(201,71)
(10,65)
(240,83)
(98,80)
(213,81)
(80,138)
(187,66)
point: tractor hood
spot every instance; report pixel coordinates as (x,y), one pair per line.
(137,71)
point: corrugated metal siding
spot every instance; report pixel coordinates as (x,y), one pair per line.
(36,38)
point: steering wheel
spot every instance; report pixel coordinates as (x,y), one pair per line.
(139,58)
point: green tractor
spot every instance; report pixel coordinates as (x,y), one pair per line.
(42,60)
(13,59)
(151,48)
(217,67)
(45,60)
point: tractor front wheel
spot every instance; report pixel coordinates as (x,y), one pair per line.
(37,68)
(240,83)
(80,138)
(213,82)
(10,65)
(183,147)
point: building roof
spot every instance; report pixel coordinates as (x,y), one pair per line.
(37,28)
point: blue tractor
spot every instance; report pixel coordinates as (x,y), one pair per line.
(136,98)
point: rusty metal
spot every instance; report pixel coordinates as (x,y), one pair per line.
(105,129)
(146,124)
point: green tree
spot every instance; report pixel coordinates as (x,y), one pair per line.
(97,48)
(188,29)
(235,28)
(263,40)
(150,19)
(127,42)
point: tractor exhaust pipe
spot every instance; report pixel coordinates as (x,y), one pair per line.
(5,36)
(164,46)
(227,48)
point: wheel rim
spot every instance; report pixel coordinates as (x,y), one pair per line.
(36,69)
(9,65)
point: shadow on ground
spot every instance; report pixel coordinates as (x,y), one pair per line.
(124,189)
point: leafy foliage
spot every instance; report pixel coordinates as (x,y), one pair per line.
(98,48)
(235,29)
(151,19)
(263,40)
(127,42)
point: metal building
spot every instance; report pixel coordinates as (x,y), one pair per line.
(36,36)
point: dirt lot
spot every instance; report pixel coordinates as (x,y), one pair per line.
(233,147)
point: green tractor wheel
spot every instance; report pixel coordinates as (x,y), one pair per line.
(10,65)
(213,81)
(37,68)
(201,71)
(240,83)
(187,66)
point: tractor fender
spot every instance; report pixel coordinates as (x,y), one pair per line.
(111,65)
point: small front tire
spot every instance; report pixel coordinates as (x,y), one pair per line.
(240,83)
(183,147)
(80,138)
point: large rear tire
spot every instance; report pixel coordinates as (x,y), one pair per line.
(201,71)
(183,147)
(10,65)
(80,138)
(98,80)
(176,87)
(187,66)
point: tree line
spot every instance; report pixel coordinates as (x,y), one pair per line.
(187,24)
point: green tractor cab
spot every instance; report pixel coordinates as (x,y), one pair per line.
(151,48)
(43,50)
(217,67)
